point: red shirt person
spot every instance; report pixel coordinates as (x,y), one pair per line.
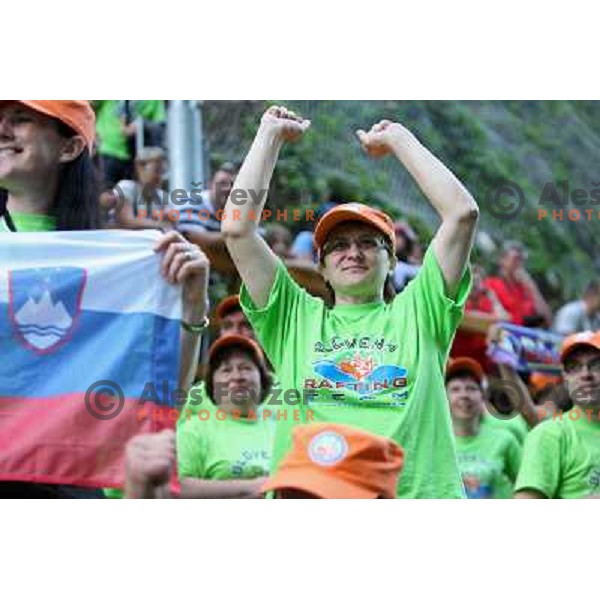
(516,289)
(481,310)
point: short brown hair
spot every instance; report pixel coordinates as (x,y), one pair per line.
(221,356)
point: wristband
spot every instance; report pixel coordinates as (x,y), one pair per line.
(193,328)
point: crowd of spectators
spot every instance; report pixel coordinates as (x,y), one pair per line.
(489,449)
(533,454)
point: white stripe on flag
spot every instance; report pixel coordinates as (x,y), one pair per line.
(123,270)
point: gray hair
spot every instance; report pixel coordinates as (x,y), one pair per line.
(509,245)
(150,153)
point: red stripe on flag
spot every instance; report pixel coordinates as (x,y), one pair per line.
(57,440)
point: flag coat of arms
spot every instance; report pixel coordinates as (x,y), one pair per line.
(89,352)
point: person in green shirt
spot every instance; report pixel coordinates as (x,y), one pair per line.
(561,457)
(229,320)
(116,126)
(361,360)
(48,183)
(488,457)
(223,449)
(47,178)
(326,461)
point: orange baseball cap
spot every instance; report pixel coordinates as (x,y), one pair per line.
(228,305)
(77,114)
(354,211)
(540,381)
(330,460)
(464,363)
(577,340)
(236,340)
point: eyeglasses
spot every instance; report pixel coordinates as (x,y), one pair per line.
(573,368)
(364,244)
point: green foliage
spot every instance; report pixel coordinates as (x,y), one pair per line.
(484,143)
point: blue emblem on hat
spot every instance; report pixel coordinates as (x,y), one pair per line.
(328,448)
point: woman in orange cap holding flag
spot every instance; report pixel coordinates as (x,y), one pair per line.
(364,360)
(47,183)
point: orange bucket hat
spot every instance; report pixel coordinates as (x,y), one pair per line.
(330,460)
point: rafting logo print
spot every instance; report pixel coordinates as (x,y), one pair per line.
(44,305)
(360,367)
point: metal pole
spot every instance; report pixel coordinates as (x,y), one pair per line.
(139,135)
(198,143)
(180,135)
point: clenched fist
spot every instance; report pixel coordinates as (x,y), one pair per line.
(286,124)
(379,140)
(149,461)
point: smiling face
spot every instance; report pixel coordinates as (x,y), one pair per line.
(355,261)
(237,383)
(465,397)
(31,146)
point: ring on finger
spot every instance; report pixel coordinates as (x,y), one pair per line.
(189,252)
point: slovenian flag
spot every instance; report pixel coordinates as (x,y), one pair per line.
(89,352)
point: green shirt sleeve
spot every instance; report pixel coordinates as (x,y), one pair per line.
(541,464)
(513,459)
(278,321)
(439,314)
(151,110)
(519,428)
(191,451)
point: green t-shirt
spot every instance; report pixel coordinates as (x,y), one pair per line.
(517,426)
(108,125)
(375,366)
(220,446)
(561,458)
(488,462)
(29,222)
(113,142)
(196,401)
(150,110)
